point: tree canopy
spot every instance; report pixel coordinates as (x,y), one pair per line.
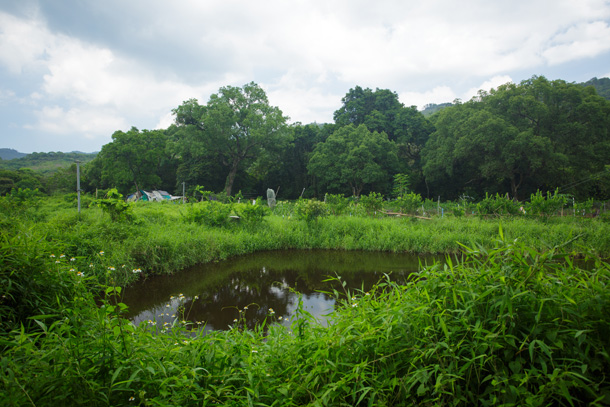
(355,157)
(516,139)
(237,128)
(538,134)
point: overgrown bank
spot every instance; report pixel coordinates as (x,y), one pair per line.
(510,326)
(160,238)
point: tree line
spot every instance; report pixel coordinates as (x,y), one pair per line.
(516,139)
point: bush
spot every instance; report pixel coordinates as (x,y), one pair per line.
(409,203)
(251,214)
(546,205)
(310,210)
(372,203)
(337,204)
(114,206)
(498,205)
(209,213)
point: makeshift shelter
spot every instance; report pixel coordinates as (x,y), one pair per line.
(152,196)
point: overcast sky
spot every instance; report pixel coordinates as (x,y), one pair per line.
(73,72)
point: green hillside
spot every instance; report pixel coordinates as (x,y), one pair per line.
(9,154)
(46,162)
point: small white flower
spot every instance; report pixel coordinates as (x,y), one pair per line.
(62,256)
(52,256)
(80,274)
(57,261)
(102,253)
(72,259)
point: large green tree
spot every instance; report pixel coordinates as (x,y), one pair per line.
(134,159)
(237,128)
(538,134)
(380,110)
(354,157)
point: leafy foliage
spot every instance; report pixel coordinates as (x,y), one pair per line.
(409,203)
(337,203)
(546,205)
(237,126)
(114,205)
(310,210)
(355,157)
(521,137)
(507,325)
(251,214)
(497,205)
(209,213)
(372,203)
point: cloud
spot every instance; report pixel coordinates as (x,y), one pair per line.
(132,62)
(444,94)
(486,86)
(438,95)
(90,123)
(581,41)
(22,43)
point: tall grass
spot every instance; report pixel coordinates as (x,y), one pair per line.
(509,325)
(163,238)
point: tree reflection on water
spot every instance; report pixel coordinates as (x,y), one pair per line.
(214,295)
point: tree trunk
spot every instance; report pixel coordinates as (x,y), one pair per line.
(514,185)
(231,176)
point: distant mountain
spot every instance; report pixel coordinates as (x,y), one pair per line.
(9,154)
(46,162)
(432,108)
(602,86)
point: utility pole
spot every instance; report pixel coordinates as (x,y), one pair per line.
(78,184)
(182,192)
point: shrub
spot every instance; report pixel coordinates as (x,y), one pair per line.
(409,203)
(114,206)
(310,210)
(546,205)
(337,204)
(372,203)
(498,205)
(209,213)
(251,214)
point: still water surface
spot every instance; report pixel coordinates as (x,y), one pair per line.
(262,281)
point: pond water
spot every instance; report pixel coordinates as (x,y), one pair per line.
(214,295)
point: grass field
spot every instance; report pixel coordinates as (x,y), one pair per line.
(518,322)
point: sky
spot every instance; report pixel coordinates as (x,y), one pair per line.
(73,72)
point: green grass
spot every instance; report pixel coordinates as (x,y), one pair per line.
(517,322)
(506,326)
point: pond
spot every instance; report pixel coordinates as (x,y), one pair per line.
(214,295)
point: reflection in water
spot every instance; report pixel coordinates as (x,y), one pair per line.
(214,295)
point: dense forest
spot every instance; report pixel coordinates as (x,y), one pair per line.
(516,139)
